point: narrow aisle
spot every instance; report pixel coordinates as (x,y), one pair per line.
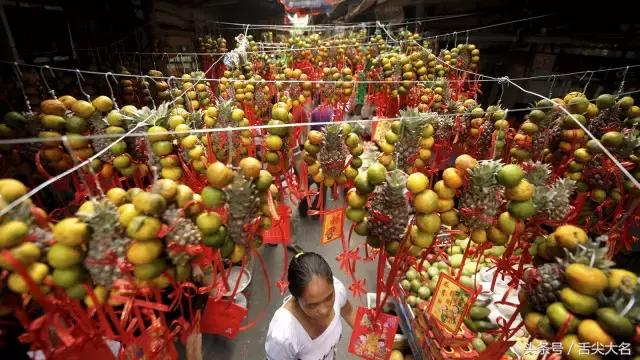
(249,345)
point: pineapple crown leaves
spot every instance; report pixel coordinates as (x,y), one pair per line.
(594,253)
(537,173)
(484,174)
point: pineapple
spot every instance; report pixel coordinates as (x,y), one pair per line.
(107,240)
(553,199)
(184,232)
(244,206)
(443,126)
(543,285)
(409,137)
(609,119)
(389,200)
(483,196)
(333,153)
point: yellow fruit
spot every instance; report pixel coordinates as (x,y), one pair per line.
(420,238)
(250,167)
(521,192)
(117,196)
(417,182)
(618,276)
(429,223)
(26,253)
(478,236)
(571,348)
(11,189)
(126,213)
(376,174)
(452,178)
(70,231)
(100,293)
(443,191)
(450,218)
(531,321)
(167,188)
(496,236)
(150,203)
(102,103)
(82,108)
(67,100)
(585,279)
(507,223)
(445,205)
(209,223)
(37,272)
(426,202)
(578,303)
(63,256)
(570,236)
(219,175)
(52,107)
(172,173)
(464,162)
(356,200)
(12,233)
(143,228)
(590,331)
(238,253)
(354,214)
(143,252)
(150,270)
(273,142)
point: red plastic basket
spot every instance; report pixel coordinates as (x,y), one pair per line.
(280,231)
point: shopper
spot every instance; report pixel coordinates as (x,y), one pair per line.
(308,326)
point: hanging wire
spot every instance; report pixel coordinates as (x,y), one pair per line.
(586,131)
(50,91)
(553,82)
(584,90)
(78,77)
(18,73)
(624,77)
(113,96)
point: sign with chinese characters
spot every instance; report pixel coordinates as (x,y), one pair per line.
(379,128)
(450,303)
(544,349)
(372,336)
(332,225)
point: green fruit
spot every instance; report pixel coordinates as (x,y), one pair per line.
(374,241)
(66,278)
(227,248)
(424,292)
(478,344)
(605,101)
(354,214)
(62,256)
(362,228)
(76,124)
(614,323)
(522,209)
(510,175)
(612,139)
(507,223)
(479,312)
(216,240)
(375,174)
(578,303)
(77,291)
(209,223)
(212,197)
(356,162)
(544,329)
(362,184)
(150,270)
(558,316)
(12,233)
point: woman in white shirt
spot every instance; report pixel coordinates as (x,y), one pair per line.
(308,325)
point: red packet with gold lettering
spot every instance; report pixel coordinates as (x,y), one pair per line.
(372,336)
(450,303)
(332,225)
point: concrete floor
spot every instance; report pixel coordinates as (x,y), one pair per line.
(249,345)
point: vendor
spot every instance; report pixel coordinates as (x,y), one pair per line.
(307,326)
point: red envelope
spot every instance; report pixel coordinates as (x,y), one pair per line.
(222,317)
(372,338)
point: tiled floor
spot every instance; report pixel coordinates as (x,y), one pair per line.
(249,345)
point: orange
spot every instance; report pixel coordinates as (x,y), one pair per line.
(452,178)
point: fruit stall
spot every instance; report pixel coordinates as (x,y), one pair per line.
(137,204)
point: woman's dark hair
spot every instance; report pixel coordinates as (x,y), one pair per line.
(303,267)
